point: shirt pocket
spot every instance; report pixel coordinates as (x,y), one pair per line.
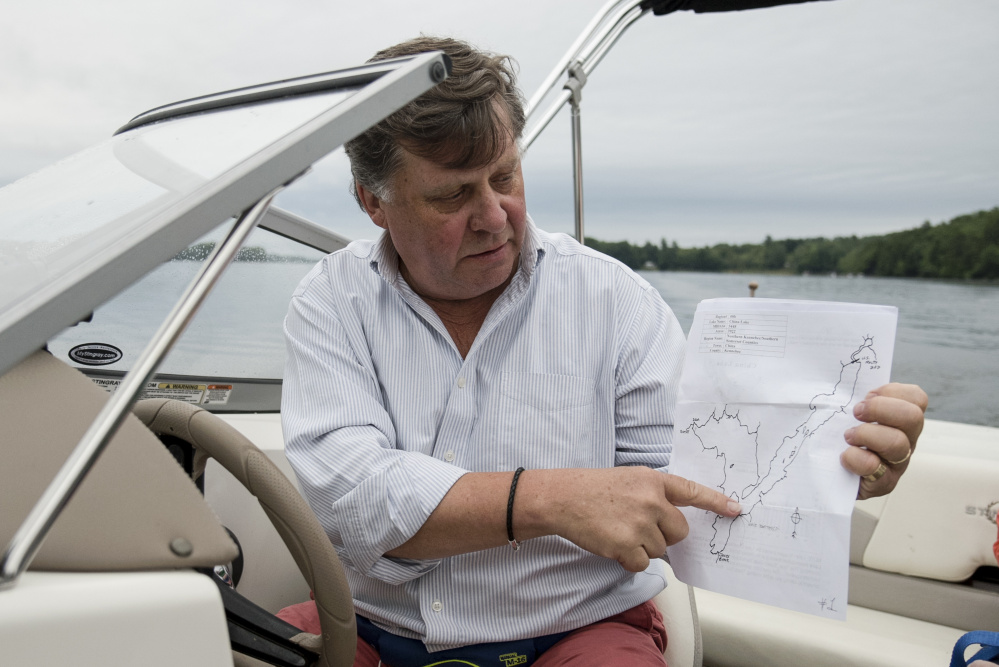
(547,420)
(548,392)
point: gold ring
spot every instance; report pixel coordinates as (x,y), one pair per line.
(902,460)
(877,474)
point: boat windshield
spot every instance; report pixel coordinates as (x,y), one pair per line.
(83,235)
(236,334)
(236,338)
(86,206)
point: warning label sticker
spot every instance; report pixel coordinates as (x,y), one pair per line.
(196,394)
(189,393)
(217,394)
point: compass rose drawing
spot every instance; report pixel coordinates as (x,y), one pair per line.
(795,519)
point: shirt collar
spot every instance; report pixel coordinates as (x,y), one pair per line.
(384,260)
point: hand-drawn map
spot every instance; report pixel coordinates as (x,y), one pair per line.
(767,391)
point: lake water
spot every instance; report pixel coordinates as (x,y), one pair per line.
(947,338)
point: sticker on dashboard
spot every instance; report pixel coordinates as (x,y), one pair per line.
(95,354)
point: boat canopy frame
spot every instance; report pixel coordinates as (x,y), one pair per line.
(582,58)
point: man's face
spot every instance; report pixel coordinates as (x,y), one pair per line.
(458,232)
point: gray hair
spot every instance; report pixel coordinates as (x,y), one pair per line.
(456,124)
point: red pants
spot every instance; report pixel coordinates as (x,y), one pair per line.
(633,638)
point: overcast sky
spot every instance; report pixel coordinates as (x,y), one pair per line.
(823,119)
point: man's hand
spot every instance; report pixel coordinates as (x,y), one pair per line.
(894,416)
(628,514)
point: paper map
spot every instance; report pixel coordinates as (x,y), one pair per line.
(767,391)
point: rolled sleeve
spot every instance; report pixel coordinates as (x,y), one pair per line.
(406,492)
(369,496)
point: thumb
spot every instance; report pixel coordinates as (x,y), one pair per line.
(683,492)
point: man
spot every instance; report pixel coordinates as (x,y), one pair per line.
(426,369)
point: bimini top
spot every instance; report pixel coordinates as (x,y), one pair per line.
(77,233)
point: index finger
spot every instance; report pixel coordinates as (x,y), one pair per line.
(683,492)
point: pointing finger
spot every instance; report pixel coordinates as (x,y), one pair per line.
(683,492)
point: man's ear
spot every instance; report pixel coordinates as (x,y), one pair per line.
(372,205)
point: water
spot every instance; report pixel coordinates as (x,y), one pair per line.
(946,340)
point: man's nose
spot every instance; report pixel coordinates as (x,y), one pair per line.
(489,214)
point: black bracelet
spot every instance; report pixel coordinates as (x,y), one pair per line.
(509,510)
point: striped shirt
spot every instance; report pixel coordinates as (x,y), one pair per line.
(576,365)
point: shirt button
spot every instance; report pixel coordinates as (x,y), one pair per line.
(437,606)
(449,456)
(461,383)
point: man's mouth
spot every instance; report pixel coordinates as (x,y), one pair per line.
(486,254)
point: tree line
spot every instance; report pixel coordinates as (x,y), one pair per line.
(966,247)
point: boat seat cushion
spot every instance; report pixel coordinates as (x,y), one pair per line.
(940,522)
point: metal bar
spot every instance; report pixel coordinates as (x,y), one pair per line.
(611,27)
(303,85)
(577,168)
(593,57)
(581,59)
(306,232)
(32,532)
(570,55)
(550,114)
(597,43)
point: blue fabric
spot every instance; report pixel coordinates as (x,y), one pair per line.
(576,366)
(989,641)
(402,652)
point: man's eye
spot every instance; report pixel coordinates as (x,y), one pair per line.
(451,196)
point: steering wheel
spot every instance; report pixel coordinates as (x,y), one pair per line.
(284,506)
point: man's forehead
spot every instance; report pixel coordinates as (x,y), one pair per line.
(508,158)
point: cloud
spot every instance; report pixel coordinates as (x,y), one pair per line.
(816,117)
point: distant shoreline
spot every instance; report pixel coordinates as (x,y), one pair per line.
(985,282)
(965,248)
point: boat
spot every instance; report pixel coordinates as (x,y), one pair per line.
(112,555)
